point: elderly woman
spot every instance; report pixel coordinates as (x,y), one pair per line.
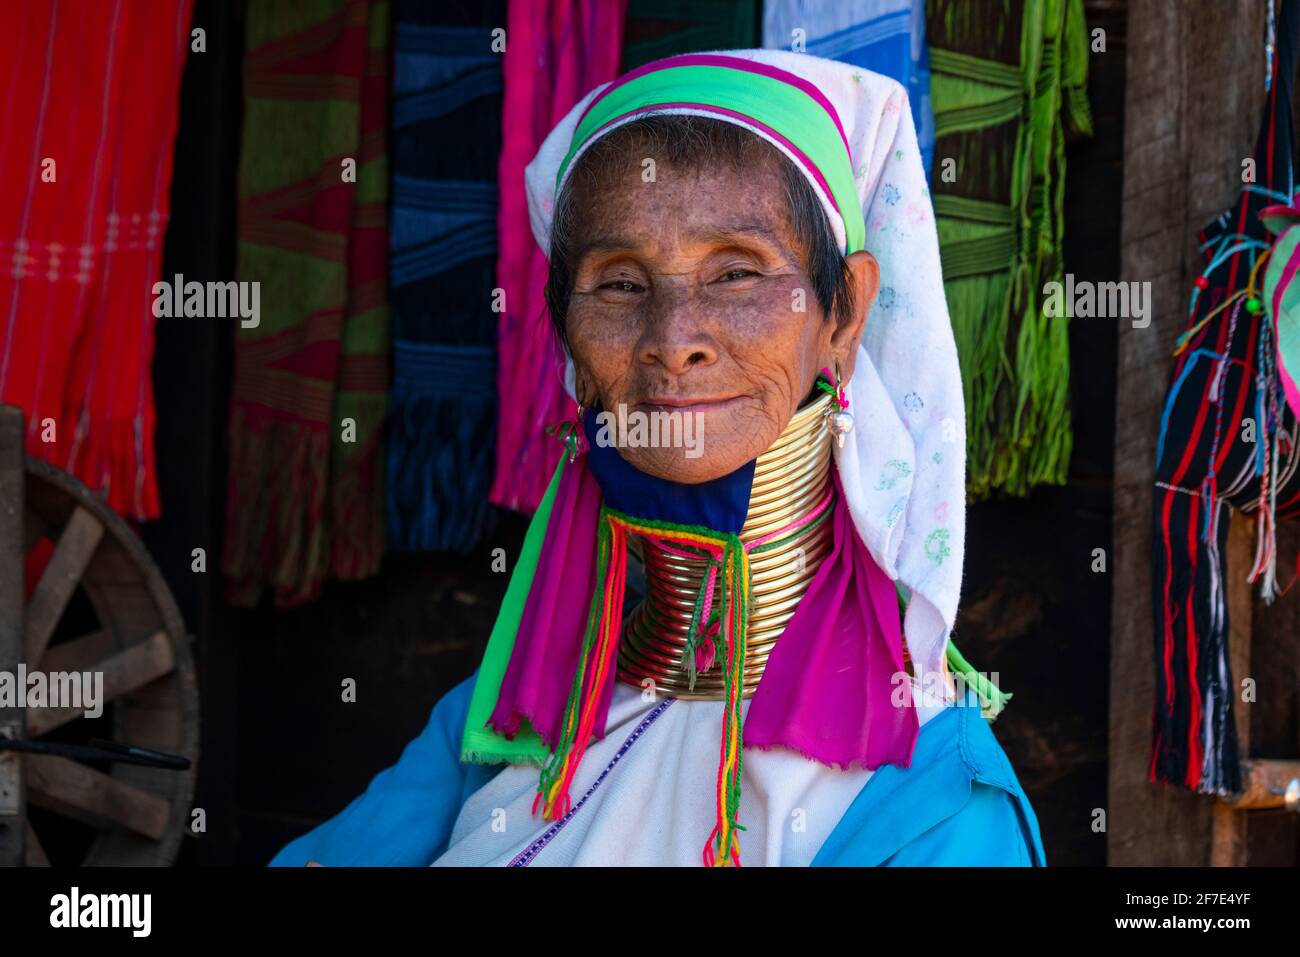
(719,230)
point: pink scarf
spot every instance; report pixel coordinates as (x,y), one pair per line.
(557,51)
(828,691)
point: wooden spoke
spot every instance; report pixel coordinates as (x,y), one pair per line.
(76,791)
(72,553)
(33,854)
(124,672)
(78,654)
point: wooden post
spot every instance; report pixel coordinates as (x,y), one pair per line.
(12,560)
(1195,89)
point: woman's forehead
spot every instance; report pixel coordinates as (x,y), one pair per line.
(708,204)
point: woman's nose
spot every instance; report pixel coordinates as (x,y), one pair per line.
(677,337)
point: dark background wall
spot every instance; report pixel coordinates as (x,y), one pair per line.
(192,375)
(281,751)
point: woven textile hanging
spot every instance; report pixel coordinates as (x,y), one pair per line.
(885,36)
(1227,436)
(1008,88)
(447,97)
(90,97)
(305,495)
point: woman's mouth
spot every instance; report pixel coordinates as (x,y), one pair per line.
(689,404)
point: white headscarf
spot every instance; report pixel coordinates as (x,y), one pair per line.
(903,467)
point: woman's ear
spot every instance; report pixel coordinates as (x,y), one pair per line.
(864,273)
(582,391)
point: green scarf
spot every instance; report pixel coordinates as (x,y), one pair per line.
(1008,86)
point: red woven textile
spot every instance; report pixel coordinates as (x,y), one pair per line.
(89,99)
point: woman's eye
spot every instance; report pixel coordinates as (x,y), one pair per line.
(733,274)
(621,285)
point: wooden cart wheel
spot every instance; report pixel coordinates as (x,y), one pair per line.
(136,814)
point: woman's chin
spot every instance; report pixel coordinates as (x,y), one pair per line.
(685,465)
(697,447)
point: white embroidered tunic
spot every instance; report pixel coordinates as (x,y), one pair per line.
(645,794)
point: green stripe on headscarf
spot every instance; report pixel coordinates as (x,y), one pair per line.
(769,102)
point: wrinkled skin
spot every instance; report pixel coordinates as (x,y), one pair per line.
(684,300)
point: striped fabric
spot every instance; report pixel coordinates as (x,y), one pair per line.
(447,92)
(885,36)
(90,104)
(311,378)
(1227,437)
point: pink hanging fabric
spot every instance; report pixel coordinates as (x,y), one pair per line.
(829,690)
(556,51)
(537,680)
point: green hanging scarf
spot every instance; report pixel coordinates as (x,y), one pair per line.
(1007,84)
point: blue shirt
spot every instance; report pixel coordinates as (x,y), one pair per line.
(959,804)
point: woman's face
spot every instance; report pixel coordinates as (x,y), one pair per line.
(690,298)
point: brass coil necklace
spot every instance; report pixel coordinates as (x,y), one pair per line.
(792,480)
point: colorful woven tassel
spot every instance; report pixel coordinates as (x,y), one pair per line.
(569,431)
(599,648)
(736,585)
(599,652)
(831,386)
